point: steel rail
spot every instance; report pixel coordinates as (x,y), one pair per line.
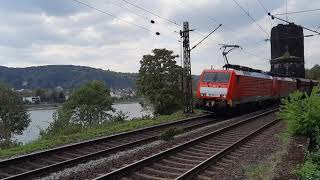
(51,167)
(215,158)
(117,174)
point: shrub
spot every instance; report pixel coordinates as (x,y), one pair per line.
(120,116)
(308,171)
(170,133)
(302,112)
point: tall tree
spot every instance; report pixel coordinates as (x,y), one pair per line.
(14,117)
(159,81)
(88,105)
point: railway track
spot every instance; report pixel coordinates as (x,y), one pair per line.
(188,160)
(44,162)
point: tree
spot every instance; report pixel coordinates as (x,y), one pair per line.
(314,72)
(88,105)
(159,81)
(14,117)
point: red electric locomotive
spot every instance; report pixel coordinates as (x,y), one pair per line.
(230,88)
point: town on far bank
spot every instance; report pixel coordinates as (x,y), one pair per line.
(58,95)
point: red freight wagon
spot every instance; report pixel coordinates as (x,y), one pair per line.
(283,86)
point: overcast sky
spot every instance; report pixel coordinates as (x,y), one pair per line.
(43,32)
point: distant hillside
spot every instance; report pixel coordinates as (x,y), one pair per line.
(66,76)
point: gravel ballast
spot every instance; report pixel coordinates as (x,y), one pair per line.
(95,168)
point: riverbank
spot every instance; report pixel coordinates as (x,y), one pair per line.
(46,141)
(50,106)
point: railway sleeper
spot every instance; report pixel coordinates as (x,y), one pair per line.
(18,169)
(209,150)
(141,176)
(59,157)
(169,162)
(186,156)
(72,155)
(192,153)
(198,150)
(182,160)
(159,173)
(171,168)
(4,174)
(215,145)
(202,177)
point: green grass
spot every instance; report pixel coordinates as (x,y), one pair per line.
(51,141)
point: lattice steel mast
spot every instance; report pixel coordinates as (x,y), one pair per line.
(187,79)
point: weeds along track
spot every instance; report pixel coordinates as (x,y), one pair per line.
(44,162)
(190,159)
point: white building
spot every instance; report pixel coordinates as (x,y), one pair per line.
(32,99)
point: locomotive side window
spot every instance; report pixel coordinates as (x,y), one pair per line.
(218,77)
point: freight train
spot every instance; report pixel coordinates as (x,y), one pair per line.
(229,89)
(236,86)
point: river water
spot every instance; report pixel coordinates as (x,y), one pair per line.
(40,119)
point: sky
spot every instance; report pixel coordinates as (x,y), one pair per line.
(47,32)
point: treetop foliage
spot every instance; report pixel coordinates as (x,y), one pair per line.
(89,105)
(14,117)
(159,80)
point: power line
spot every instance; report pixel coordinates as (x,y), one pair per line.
(206,37)
(274,17)
(214,20)
(297,12)
(121,6)
(247,13)
(150,12)
(265,9)
(109,14)
(115,17)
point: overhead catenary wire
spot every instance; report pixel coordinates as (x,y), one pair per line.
(297,12)
(266,11)
(214,20)
(150,12)
(248,14)
(274,17)
(112,15)
(127,9)
(120,19)
(206,37)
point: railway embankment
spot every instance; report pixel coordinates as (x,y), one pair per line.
(79,135)
(293,152)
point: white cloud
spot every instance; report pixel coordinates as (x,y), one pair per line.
(60,32)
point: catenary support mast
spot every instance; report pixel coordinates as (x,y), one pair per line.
(187,79)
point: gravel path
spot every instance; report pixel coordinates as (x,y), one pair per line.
(94,168)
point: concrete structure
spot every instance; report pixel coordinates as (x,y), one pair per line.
(287,50)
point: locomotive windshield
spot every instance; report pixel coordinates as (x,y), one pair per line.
(218,77)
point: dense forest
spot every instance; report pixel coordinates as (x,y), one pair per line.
(66,76)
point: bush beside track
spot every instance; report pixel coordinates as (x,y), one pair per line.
(67,136)
(302,113)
